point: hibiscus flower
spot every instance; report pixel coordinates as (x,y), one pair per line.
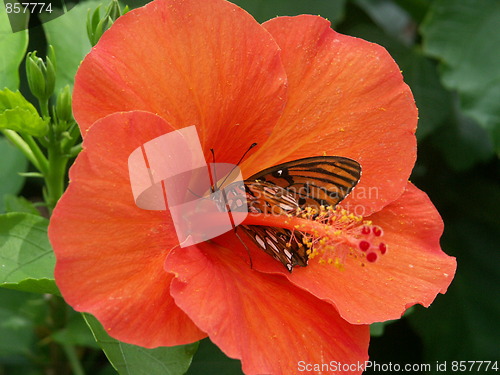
(298,89)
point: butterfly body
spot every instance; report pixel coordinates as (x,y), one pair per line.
(287,188)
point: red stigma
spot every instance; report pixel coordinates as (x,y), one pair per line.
(382,247)
(371,257)
(364,245)
(377,231)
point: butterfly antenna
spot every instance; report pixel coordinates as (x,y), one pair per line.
(246,152)
(239,161)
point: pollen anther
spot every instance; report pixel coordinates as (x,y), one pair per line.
(343,234)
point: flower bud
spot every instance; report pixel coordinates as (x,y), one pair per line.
(97,25)
(41,74)
(63,105)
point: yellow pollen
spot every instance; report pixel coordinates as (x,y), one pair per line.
(341,234)
(332,235)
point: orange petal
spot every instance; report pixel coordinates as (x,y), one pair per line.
(110,253)
(205,63)
(413,271)
(346,97)
(272,326)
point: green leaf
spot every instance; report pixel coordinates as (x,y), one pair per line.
(434,102)
(416,8)
(76,332)
(13,47)
(67,34)
(13,162)
(33,285)
(463,324)
(463,142)
(19,204)
(19,313)
(463,35)
(389,16)
(209,359)
(264,10)
(129,359)
(26,257)
(378,329)
(17,114)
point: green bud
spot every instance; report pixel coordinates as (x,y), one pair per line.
(41,74)
(51,55)
(97,25)
(63,105)
(113,10)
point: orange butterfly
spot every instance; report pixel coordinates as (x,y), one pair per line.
(284,188)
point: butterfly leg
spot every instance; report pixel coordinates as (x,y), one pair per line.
(235,228)
(245,245)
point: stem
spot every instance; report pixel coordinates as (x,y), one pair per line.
(74,362)
(20,143)
(75,150)
(44,107)
(54,179)
(57,161)
(43,164)
(74,135)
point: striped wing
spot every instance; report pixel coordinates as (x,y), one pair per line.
(280,190)
(278,243)
(314,181)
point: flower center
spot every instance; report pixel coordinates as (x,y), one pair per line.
(330,234)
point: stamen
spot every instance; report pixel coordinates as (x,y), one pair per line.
(330,234)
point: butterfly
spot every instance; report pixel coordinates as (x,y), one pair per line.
(284,188)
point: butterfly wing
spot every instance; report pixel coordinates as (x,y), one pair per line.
(280,190)
(314,181)
(280,243)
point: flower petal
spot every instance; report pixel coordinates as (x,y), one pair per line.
(413,271)
(346,97)
(110,253)
(261,319)
(205,63)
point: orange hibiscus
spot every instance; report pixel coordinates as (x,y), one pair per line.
(298,89)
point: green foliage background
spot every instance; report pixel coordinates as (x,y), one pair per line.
(449,53)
